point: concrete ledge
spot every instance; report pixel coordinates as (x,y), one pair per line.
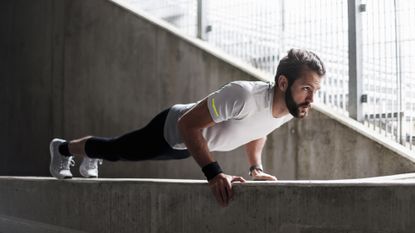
(145,205)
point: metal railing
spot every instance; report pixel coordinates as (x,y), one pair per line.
(380,71)
(389,68)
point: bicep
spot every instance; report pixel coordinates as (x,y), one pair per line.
(197,117)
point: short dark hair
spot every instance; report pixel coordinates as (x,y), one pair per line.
(296,61)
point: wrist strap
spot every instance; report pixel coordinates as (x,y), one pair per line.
(211,170)
(255,167)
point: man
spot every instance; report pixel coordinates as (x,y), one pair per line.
(240,113)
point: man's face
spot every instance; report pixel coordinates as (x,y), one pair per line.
(300,94)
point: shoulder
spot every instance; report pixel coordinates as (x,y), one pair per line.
(248,88)
(251,86)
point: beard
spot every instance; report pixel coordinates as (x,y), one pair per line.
(292,106)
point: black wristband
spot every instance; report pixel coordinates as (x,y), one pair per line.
(211,170)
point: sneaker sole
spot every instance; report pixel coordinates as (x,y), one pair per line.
(86,176)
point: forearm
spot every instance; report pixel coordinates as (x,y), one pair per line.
(254,151)
(197,146)
(190,125)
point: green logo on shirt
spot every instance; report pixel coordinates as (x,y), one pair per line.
(214,107)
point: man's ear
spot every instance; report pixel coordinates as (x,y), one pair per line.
(282,83)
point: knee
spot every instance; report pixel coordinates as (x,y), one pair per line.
(87,137)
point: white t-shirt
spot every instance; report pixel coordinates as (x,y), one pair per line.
(242,111)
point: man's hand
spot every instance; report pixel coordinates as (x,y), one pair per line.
(260,175)
(221,187)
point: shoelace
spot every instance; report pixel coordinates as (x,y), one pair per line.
(66,162)
(92,163)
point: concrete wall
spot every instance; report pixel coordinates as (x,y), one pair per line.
(321,147)
(28,73)
(30,205)
(74,68)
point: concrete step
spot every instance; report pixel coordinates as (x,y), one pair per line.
(42,204)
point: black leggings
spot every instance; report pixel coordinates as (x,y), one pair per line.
(147,143)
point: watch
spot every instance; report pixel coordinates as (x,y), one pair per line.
(255,167)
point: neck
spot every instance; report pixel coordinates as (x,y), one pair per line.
(279,108)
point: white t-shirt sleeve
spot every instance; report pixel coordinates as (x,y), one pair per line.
(228,102)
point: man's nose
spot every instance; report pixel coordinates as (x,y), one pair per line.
(310,97)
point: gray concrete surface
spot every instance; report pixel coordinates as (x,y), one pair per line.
(73,68)
(139,205)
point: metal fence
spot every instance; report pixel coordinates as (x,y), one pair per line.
(389,68)
(261,31)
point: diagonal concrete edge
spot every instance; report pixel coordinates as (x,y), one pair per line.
(236,62)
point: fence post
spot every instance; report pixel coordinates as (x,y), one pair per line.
(355,59)
(201,19)
(401,134)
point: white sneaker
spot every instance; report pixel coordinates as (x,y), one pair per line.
(59,164)
(89,167)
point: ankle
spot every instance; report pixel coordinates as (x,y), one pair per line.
(64,149)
